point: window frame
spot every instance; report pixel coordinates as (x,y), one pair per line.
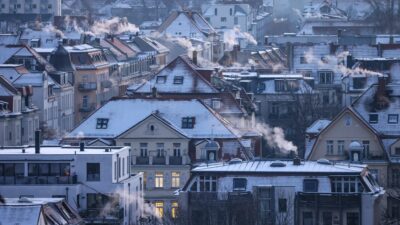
(396,118)
(178,80)
(373,121)
(92,176)
(307,182)
(235,184)
(102,123)
(161,79)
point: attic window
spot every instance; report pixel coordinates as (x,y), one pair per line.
(102,123)
(393,118)
(373,118)
(188,122)
(161,79)
(178,80)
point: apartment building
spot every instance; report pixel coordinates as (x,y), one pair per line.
(97,182)
(31,7)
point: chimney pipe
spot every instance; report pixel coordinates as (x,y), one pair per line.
(82,146)
(296,161)
(194,57)
(154,92)
(37,142)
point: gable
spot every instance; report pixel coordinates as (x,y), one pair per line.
(347,128)
(167,80)
(151,127)
(182,26)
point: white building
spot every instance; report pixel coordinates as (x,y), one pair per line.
(29,7)
(276,192)
(228,16)
(95,181)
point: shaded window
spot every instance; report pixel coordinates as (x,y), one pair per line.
(93,171)
(359,82)
(308,218)
(397,151)
(353,218)
(208,183)
(327,218)
(161,79)
(373,118)
(310,185)
(188,122)
(96,201)
(282,205)
(178,80)
(102,123)
(329,147)
(239,184)
(393,118)
(325,77)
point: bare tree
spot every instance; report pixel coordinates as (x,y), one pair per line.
(285,216)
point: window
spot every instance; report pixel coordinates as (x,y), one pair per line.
(93,171)
(352,218)
(340,147)
(223,19)
(174,209)
(373,118)
(329,147)
(345,185)
(161,79)
(347,120)
(280,85)
(282,205)
(310,185)
(215,11)
(159,180)
(175,180)
(216,103)
(393,118)
(303,60)
(327,218)
(102,123)
(208,183)
(160,149)
(236,20)
(325,77)
(359,82)
(397,151)
(49,6)
(266,205)
(239,184)
(96,201)
(178,80)
(188,122)
(230,11)
(177,149)
(143,149)
(366,149)
(308,218)
(159,208)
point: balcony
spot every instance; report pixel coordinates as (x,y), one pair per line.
(175,160)
(106,84)
(87,107)
(142,160)
(159,160)
(329,199)
(41,180)
(87,86)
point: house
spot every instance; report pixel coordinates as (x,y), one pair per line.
(96,182)
(38,211)
(281,192)
(228,16)
(18,117)
(190,24)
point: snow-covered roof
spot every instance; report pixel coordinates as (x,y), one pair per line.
(21,215)
(317,126)
(34,79)
(265,167)
(123,114)
(60,150)
(166,81)
(302,87)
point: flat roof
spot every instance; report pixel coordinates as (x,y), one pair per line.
(30,201)
(60,150)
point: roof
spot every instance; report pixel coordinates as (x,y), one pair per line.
(21,215)
(194,17)
(6,88)
(317,126)
(61,59)
(207,122)
(192,81)
(265,167)
(34,79)
(60,150)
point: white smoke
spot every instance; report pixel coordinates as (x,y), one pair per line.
(114,25)
(275,138)
(233,36)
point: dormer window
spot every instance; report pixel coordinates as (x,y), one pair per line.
(188,122)
(373,118)
(161,79)
(393,118)
(102,123)
(216,103)
(178,80)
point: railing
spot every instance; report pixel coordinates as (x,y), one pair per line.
(97,216)
(87,107)
(329,199)
(142,160)
(33,180)
(159,160)
(87,86)
(175,160)
(203,196)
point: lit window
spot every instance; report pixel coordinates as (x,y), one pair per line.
(373,118)
(188,122)
(174,209)
(102,123)
(159,209)
(176,180)
(178,80)
(161,79)
(159,180)
(393,118)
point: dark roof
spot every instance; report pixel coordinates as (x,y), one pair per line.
(61,59)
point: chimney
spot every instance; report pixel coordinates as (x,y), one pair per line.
(82,146)
(194,57)
(350,61)
(296,161)
(339,33)
(154,92)
(37,142)
(289,55)
(380,50)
